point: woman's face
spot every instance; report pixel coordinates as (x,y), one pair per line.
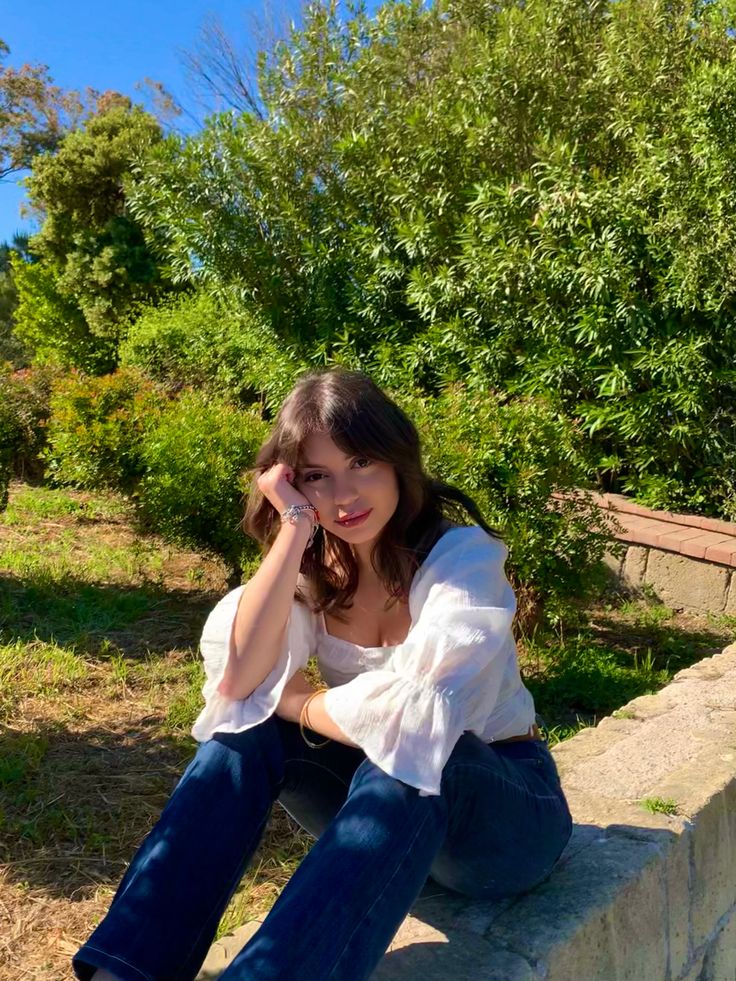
(340,485)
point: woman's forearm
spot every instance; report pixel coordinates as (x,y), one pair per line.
(263,612)
(321,722)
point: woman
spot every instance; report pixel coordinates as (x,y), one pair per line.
(420,757)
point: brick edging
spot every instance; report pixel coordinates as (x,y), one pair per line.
(710,539)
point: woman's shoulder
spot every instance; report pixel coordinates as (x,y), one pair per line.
(463,552)
(467,538)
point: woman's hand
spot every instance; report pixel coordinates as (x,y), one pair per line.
(296,691)
(277,486)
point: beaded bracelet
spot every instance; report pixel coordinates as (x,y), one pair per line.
(291,514)
(304,719)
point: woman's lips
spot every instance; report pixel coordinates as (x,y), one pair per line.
(354,522)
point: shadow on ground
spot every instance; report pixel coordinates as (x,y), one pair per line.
(100,618)
(74,801)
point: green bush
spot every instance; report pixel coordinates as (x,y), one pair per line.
(96,426)
(548,204)
(24,410)
(192,488)
(198,340)
(6,466)
(51,326)
(510,456)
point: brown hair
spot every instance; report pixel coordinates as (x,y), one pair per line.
(350,408)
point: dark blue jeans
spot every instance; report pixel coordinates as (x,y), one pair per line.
(496,830)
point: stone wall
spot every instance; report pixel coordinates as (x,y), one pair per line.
(636,896)
(686,560)
(679,581)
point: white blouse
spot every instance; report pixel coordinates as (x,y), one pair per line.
(406,706)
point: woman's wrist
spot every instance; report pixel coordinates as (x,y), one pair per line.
(305,515)
(301,529)
(295,511)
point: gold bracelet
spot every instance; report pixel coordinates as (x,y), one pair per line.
(304,720)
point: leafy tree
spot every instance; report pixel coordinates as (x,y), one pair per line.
(52,325)
(222,71)
(94,263)
(34,114)
(11,348)
(535,196)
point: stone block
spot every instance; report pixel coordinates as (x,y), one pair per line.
(730,607)
(677,878)
(649,706)
(421,951)
(706,790)
(613,564)
(590,742)
(687,584)
(600,916)
(635,767)
(714,863)
(634,566)
(694,972)
(622,817)
(447,911)
(225,950)
(719,963)
(705,670)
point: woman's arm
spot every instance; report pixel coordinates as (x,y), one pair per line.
(263,612)
(295,694)
(320,721)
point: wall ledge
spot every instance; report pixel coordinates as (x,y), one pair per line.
(710,539)
(635,894)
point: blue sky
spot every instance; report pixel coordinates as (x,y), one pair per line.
(116,45)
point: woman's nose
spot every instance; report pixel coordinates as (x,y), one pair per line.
(344,492)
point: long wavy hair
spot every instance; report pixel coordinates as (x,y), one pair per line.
(363,421)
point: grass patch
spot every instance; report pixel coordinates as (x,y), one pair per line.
(36,668)
(100,682)
(579,679)
(659,805)
(563,730)
(36,505)
(68,611)
(187,704)
(613,652)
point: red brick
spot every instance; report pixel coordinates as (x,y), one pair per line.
(636,527)
(697,547)
(672,540)
(637,517)
(725,553)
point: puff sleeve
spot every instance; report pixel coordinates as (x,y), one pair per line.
(221,714)
(446,676)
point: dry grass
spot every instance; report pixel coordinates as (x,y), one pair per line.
(99,683)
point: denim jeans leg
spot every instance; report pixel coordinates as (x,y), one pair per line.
(509,819)
(165,912)
(343,905)
(316,781)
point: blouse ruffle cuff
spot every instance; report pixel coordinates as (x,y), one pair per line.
(406,727)
(222,714)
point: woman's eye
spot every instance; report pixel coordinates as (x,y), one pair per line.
(361,462)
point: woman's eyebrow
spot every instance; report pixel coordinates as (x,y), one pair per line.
(317,466)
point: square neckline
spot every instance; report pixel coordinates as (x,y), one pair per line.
(389,647)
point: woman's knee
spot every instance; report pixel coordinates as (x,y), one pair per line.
(234,758)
